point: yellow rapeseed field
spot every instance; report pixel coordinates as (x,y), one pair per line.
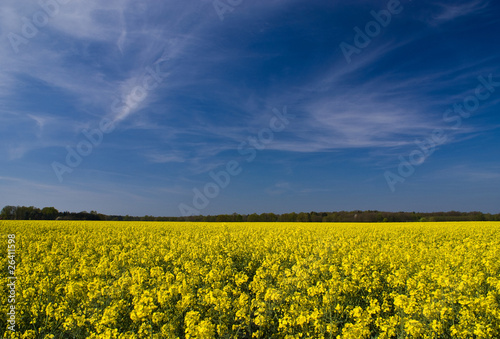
(251,280)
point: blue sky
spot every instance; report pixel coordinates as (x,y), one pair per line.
(209,107)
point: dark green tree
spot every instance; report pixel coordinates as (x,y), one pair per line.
(8,212)
(50,213)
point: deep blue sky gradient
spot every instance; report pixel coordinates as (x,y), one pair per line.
(352,121)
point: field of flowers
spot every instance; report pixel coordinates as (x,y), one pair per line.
(261,280)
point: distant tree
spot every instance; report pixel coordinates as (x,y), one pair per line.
(28,213)
(253,218)
(315,217)
(329,217)
(380,217)
(303,217)
(288,217)
(8,212)
(50,213)
(208,218)
(268,217)
(224,218)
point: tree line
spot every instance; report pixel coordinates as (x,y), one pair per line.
(51,213)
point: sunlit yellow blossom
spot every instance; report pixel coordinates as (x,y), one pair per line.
(264,280)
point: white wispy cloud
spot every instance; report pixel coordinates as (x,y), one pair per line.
(164,158)
(449,12)
(279,188)
(60,57)
(488,172)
